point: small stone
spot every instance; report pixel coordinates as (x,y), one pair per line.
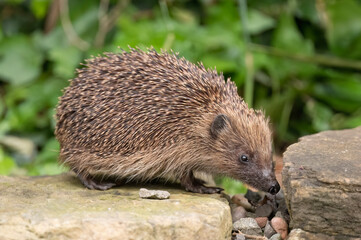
(238,213)
(280,226)
(268,230)
(297,234)
(261,221)
(153,194)
(250,215)
(240,236)
(240,200)
(247,226)
(279,214)
(276,236)
(264,211)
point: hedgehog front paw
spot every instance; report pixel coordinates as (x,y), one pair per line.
(192,184)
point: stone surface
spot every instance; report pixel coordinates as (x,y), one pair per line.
(153,194)
(264,211)
(59,207)
(277,236)
(247,226)
(299,234)
(268,230)
(261,221)
(240,237)
(237,213)
(322,183)
(280,226)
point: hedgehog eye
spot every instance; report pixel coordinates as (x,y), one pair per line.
(244,158)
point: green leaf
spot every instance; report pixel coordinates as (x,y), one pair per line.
(50,169)
(65,61)
(232,186)
(341,121)
(306,9)
(320,115)
(7,165)
(49,152)
(259,22)
(287,37)
(20,61)
(341,91)
(343,27)
(40,7)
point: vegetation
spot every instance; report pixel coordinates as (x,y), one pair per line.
(299,60)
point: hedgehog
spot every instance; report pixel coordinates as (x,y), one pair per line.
(143,115)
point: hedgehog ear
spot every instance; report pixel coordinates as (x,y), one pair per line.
(218,124)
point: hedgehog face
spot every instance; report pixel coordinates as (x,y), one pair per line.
(245,145)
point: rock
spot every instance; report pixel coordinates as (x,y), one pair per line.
(261,221)
(322,183)
(276,236)
(247,226)
(279,214)
(282,210)
(264,211)
(238,213)
(240,236)
(250,215)
(280,226)
(299,234)
(268,230)
(240,200)
(153,194)
(59,207)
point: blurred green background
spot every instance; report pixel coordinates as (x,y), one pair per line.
(299,60)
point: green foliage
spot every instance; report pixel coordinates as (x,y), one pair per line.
(301,63)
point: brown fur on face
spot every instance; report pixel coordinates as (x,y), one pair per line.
(140,115)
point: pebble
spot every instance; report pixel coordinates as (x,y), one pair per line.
(264,211)
(153,194)
(250,215)
(280,226)
(261,221)
(238,212)
(240,237)
(279,214)
(240,200)
(268,230)
(276,236)
(247,226)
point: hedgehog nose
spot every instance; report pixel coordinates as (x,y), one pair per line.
(274,189)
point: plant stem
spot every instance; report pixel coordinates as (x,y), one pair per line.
(247,57)
(316,58)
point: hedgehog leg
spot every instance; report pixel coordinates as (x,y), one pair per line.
(91,183)
(192,184)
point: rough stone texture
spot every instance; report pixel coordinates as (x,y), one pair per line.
(237,213)
(277,236)
(153,194)
(299,234)
(247,226)
(59,207)
(268,230)
(264,211)
(322,183)
(280,226)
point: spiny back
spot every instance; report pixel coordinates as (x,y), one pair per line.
(135,100)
